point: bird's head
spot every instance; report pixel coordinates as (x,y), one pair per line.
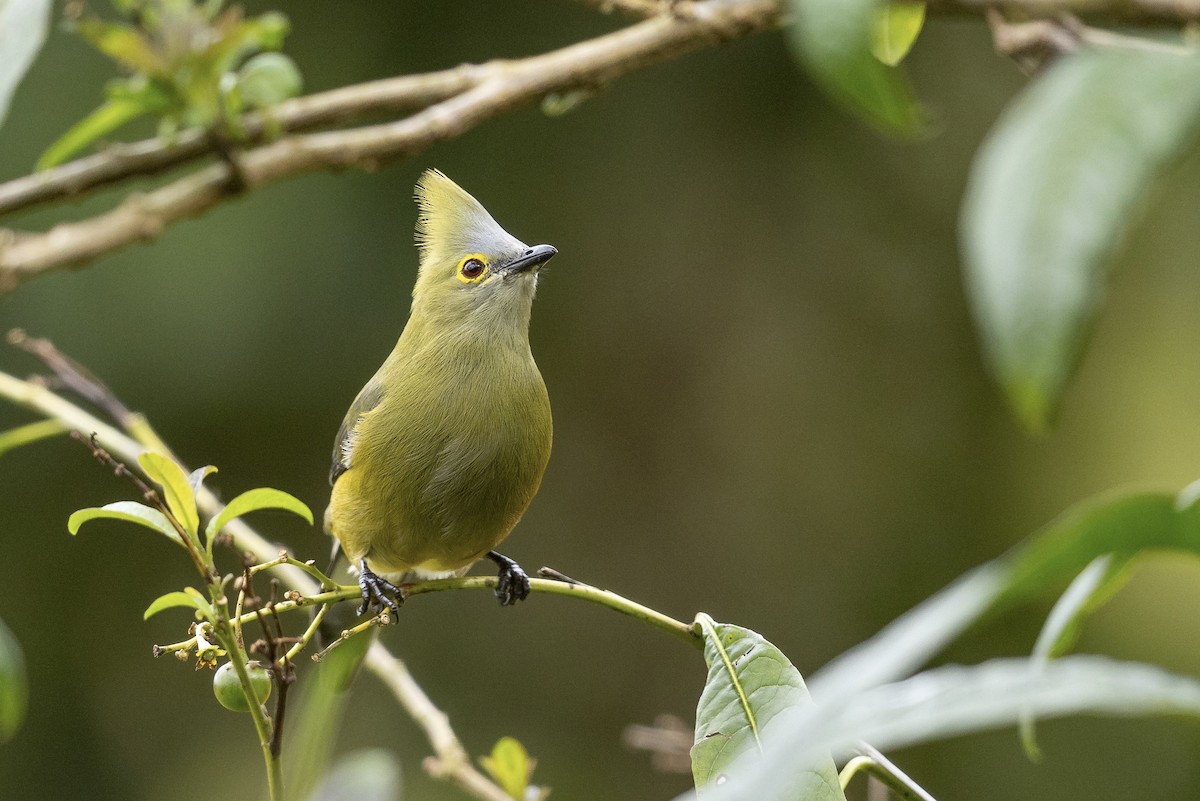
(472,270)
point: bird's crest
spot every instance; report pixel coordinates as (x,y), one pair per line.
(451,222)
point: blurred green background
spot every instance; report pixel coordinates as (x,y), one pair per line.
(769,405)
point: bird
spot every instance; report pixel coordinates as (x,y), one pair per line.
(444,448)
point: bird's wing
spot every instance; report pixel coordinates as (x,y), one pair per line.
(343,446)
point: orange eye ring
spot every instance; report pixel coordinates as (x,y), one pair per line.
(473,268)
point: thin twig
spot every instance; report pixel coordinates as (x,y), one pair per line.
(1132,12)
(73,375)
(450,760)
(119,162)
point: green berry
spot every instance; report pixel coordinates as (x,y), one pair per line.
(228,688)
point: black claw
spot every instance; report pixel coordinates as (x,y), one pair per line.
(513,583)
(378,592)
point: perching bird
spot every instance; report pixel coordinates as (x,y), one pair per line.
(444,448)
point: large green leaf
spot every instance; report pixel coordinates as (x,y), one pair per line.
(751,689)
(1050,195)
(177,489)
(864,694)
(23,26)
(130,512)
(255,500)
(833,39)
(13,690)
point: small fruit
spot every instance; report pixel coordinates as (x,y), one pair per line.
(228,688)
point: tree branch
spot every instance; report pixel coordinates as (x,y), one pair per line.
(1134,12)
(448,103)
(485,92)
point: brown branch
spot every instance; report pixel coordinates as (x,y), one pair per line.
(449,103)
(492,89)
(154,156)
(1133,12)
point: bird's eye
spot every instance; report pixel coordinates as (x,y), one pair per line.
(472,268)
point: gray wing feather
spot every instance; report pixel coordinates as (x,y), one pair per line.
(343,445)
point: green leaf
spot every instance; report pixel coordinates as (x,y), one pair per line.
(1090,589)
(253,501)
(832,39)
(177,491)
(957,699)
(509,764)
(370,775)
(26,434)
(751,689)
(23,25)
(14,692)
(895,28)
(110,116)
(122,43)
(173,599)
(268,79)
(1123,525)
(265,32)
(130,512)
(1050,195)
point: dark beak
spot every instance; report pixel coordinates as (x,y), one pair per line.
(532,258)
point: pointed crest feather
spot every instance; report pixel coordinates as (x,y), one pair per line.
(447,211)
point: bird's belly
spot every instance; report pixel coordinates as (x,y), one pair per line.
(444,518)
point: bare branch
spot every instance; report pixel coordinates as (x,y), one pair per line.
(1136,12)
(449,103)
(451,761)
(153,156)
(498,87)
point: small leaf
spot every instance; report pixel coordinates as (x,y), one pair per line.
(832,39)
(177,492)
(372,775)
(268,79)
(23,25)
(130,512)
(751,690)
(1050,195)
(107,118)
(509,764)
(174,599)
(197,476)
(14,693)
(122,43)
(26,434)
(896,26)
(253,501)
(240,37)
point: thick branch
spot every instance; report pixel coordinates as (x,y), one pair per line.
(494,88)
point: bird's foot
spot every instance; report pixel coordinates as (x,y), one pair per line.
(514,584)
(378,592)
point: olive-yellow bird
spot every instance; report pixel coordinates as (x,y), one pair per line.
(444,448)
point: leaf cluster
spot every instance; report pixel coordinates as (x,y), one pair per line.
(191,64)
